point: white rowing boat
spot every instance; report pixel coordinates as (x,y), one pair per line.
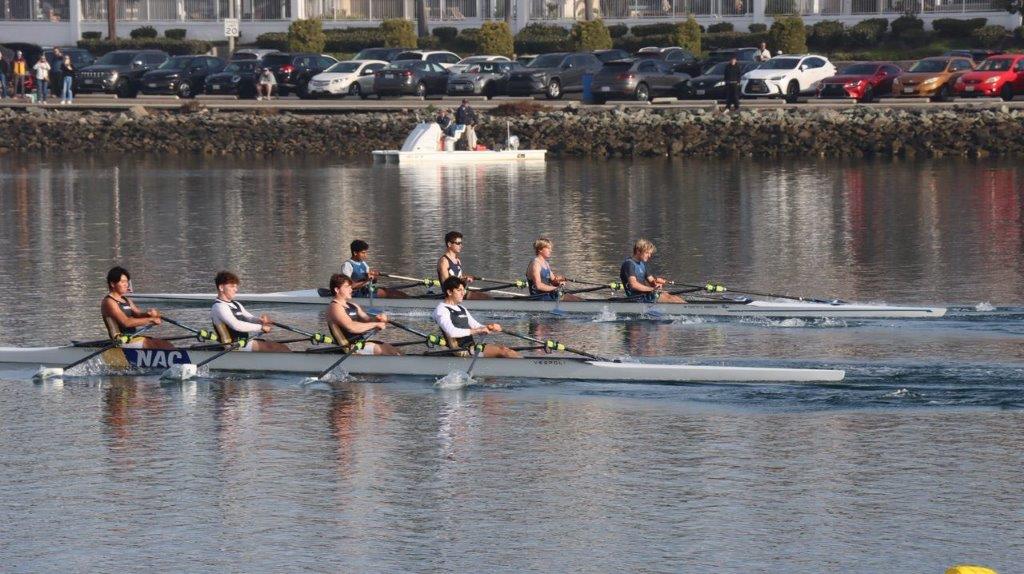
(547,367)
(424,146)
(740,307)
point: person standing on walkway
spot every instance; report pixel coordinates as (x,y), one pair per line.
(19,70)
(466,117)
(5,72)
(42,70)
(763,53)
(67,70)
(733,72)
(56,61)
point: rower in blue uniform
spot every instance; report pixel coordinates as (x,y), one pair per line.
(363,276)
(459,326)
(122,317)
(348,322)
(641,285)
(450,264)
(545,284)
(233,323)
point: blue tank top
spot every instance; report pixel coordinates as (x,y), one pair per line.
(360,272)
(545,278)
(632,268)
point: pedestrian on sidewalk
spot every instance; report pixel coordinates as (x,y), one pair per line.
(733,73)
(67,70)
(19,69)
(5,72)
(42,70)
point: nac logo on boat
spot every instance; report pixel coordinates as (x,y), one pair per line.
(155,357)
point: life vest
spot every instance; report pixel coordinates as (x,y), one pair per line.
(460,319)
(225,333)
(341,336)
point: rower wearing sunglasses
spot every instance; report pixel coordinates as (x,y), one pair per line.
(450,264)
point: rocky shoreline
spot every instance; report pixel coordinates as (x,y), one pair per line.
(806,131)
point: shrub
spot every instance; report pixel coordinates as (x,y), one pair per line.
(757,28)
(522,108)
(445,33)
(904,23)
(879,25)
(731,40)
(720,27)
(175,33)
(687,35)
(593,35)
(618,30)
(989,36)
(398,33)
(865,34)
(143,32)
(957,28)
(540,38)
(173,47)
(92,35)
(428,43)
(466,41)
(306,36)
(350,39)
(915,38)
(495,37)
(827,35)
(788,35)
(654,29)
(273,41)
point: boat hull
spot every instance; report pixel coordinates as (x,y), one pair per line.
(563,368)
(787,309)
(461,157)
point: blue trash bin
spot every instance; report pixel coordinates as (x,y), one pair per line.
(588,95)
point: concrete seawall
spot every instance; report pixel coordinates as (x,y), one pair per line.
(858,131)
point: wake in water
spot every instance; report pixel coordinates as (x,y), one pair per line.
(455,380)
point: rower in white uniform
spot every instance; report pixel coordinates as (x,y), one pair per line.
(460,327)
(348,322)
(233,323)
(122,317)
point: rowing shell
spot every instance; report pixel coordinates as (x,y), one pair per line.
(531,367)
(732,308)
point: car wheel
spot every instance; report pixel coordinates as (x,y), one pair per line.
(303,92)
(599,101)
(1006,93)
(421,89)
(554,91)
(643,93)
(185,90)
(355,90)
(869,95)
(792,91)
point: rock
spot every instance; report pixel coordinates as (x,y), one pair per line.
(138,112)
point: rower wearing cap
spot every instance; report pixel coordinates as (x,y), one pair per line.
(460,327)
(450,264)
(640,285)
(122,317)
(363,276)
(545,284)
(233,323)
(348,322)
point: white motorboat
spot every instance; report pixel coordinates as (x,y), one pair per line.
(428,144)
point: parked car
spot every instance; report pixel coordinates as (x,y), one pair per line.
(443,58)
(682,60)
(611,55)
(488,78)
(293,70)
(787,76)
(553,74)
(977,55)
(410,77)
(862,82)
(238,78)
(183,76)
(118,72)
(465,63)
(256,54)
(932,77)
(385,54)
(710,85)
(525,59)
(351,78)
(1001,76)
(636,80)
(742,55)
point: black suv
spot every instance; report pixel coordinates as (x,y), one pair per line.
(184,76)
(553,74)
(293,71)
(118,72)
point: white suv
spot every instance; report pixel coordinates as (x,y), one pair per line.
(787,76)
(446,59)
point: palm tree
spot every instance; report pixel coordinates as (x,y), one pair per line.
(112,19)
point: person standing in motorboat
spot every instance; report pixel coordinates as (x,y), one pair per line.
(465,118)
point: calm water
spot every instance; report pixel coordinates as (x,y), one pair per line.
(911,465)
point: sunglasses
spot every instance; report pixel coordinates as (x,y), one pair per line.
(459,242)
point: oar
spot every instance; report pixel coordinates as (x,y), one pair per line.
(517,283)
(711,287)
(556,346)
(52,372)
(431,340)
(315,338)
(613,285)
(352,348)
(185,371)
(425,281)
(201,334)
(479,347)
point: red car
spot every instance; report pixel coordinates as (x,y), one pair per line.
(863,82)
(1001,76)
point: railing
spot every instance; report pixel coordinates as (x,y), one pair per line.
(38,10)
(639,9)
(187,10)
(881,7)
(359,9)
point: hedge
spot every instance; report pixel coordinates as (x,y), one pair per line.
(175,33)
(398,33)
(172,47)
(618,30)
(720,27)
(143,32)
(904,23)
(445,33)
(540,38)
(306,36)
(466,42)
(723,40)
(989,36)
(654,29)
(956,28)
(92,35)
(757,28)
(495,38)
(788,35)
(827,35)
(349,39)
(633,43)
(593,35)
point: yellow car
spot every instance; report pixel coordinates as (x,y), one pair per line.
(931,78)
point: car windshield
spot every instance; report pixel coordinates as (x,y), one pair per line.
(343,68)
(717,70)
(374,54)
(611,55)
(994,65)
(781,64)
(277,60)
(175,64)
(244,56)
(472,60)
(244,67)
(928,66)
(546,61)
(719,56)
(409,56)
(859,70)
(116,59)
(403,65)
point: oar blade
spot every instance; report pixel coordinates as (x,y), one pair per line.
(455,380)
(45,373)
(180,372)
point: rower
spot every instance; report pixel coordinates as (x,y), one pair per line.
(122,317)
(640,285)
(233,323)
(347,321)
(363,277)
(459,326)
(450,264)
(545,284)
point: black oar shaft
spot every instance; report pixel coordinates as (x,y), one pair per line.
(353,347)
(566,349)
(115,343)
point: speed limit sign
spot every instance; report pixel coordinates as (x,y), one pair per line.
(231,27)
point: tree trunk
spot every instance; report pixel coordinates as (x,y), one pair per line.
(509,6)
(588,9)
(421,19)
(112,19)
